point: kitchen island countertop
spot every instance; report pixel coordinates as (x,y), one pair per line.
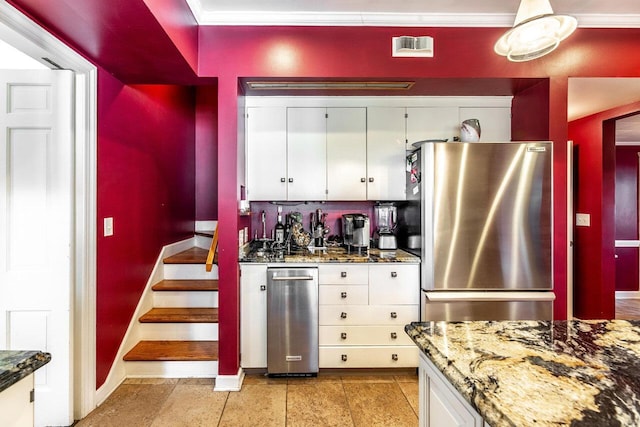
(523,373)
(15,365)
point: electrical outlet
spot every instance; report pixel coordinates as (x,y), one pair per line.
(583,220)
(108,227)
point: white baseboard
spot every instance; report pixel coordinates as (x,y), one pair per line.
(118,372)
(627,294)
(229,382)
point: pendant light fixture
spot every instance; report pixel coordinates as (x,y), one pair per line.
(536,32)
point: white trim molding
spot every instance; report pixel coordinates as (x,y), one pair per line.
(627,243)
(627,294)
(229,382)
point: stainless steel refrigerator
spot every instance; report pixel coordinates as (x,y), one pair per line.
(480,217)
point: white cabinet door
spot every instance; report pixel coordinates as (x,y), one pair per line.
(267,153)
(16,407)
(386,134)
(253,316)
(347,153)
(394,284)
(495,122)
(307,153)
(432,123)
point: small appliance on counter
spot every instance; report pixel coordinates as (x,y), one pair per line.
(384,236)
(356,232)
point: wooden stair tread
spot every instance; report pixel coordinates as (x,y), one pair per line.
(173,350)
(193,255)
(186,285)
(180,315)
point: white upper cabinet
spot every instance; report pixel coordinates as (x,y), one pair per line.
(432,123)
(347,153)
(307,153)
(386,133)
(267,153)
(495,122)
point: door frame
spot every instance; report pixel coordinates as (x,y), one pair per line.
(35,41)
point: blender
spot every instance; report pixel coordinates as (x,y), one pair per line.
(385,217)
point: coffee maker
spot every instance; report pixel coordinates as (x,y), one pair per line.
(385,217)
(356,231)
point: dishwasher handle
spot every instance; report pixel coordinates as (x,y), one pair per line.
(290,278)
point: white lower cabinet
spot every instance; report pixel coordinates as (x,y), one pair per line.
(440,403)
(359,333)
(16,405)
(253,316)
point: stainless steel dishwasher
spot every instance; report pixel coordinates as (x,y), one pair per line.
(292,321)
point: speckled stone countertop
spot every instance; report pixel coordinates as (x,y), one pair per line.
(15,365)
(525,373)
(329,255)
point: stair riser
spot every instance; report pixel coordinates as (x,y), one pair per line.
(185,299)
(179,331)
(189,272)
(174,369)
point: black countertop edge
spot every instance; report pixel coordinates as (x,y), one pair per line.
(16,365)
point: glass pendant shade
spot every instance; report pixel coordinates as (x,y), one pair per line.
(536,32)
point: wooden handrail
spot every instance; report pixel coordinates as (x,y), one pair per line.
(212,250)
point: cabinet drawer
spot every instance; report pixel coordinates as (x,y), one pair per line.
(368,315)
(364,335)
(344,294)
(369,357)
(343,274)
(394,284)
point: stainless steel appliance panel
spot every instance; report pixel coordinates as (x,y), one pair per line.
(486,211)
(292,321)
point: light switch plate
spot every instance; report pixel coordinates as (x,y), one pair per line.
(583,220)
(108,227)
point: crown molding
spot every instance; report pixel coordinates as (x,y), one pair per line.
(261,18)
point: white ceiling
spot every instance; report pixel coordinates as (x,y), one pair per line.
(586,95)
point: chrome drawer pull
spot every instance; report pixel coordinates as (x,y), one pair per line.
(394,357)
(394,274)
(344,357)
(343,294)
(363,180)
(343,274)
(283,180)
(394,335)
(343,315)
(370,179)
(343,335)
(263,287)
(394,315)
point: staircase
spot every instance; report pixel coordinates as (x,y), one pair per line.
(178,335)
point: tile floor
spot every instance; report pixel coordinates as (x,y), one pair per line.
(328,400)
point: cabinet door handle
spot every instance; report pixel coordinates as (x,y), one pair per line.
(290,179)
(263,287)
(394,315)
(344,357)
(394,274)
(394,357)
(343,274)
(370,179)
(394,335)
(343,335)
(363,179)
(343,294)
(283,180)
(343,315)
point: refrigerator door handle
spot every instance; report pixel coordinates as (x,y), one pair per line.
(489,296)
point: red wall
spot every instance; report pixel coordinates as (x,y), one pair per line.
(627,216)
(206,153)
(594,194)
(146,164)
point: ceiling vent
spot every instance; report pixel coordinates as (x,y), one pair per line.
(280,85)
(421,46)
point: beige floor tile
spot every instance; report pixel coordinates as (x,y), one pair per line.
(197,381)
(379,404)
(410,391)
(256,405)
(321,378)
(406,378)
(262,379)
(151,381)
(191,406)
(317,404)
(348,379)
(130,405)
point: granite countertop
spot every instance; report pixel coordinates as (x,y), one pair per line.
(15,365)
(253,254)
(524,373)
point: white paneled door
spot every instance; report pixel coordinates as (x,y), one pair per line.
(36,200)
